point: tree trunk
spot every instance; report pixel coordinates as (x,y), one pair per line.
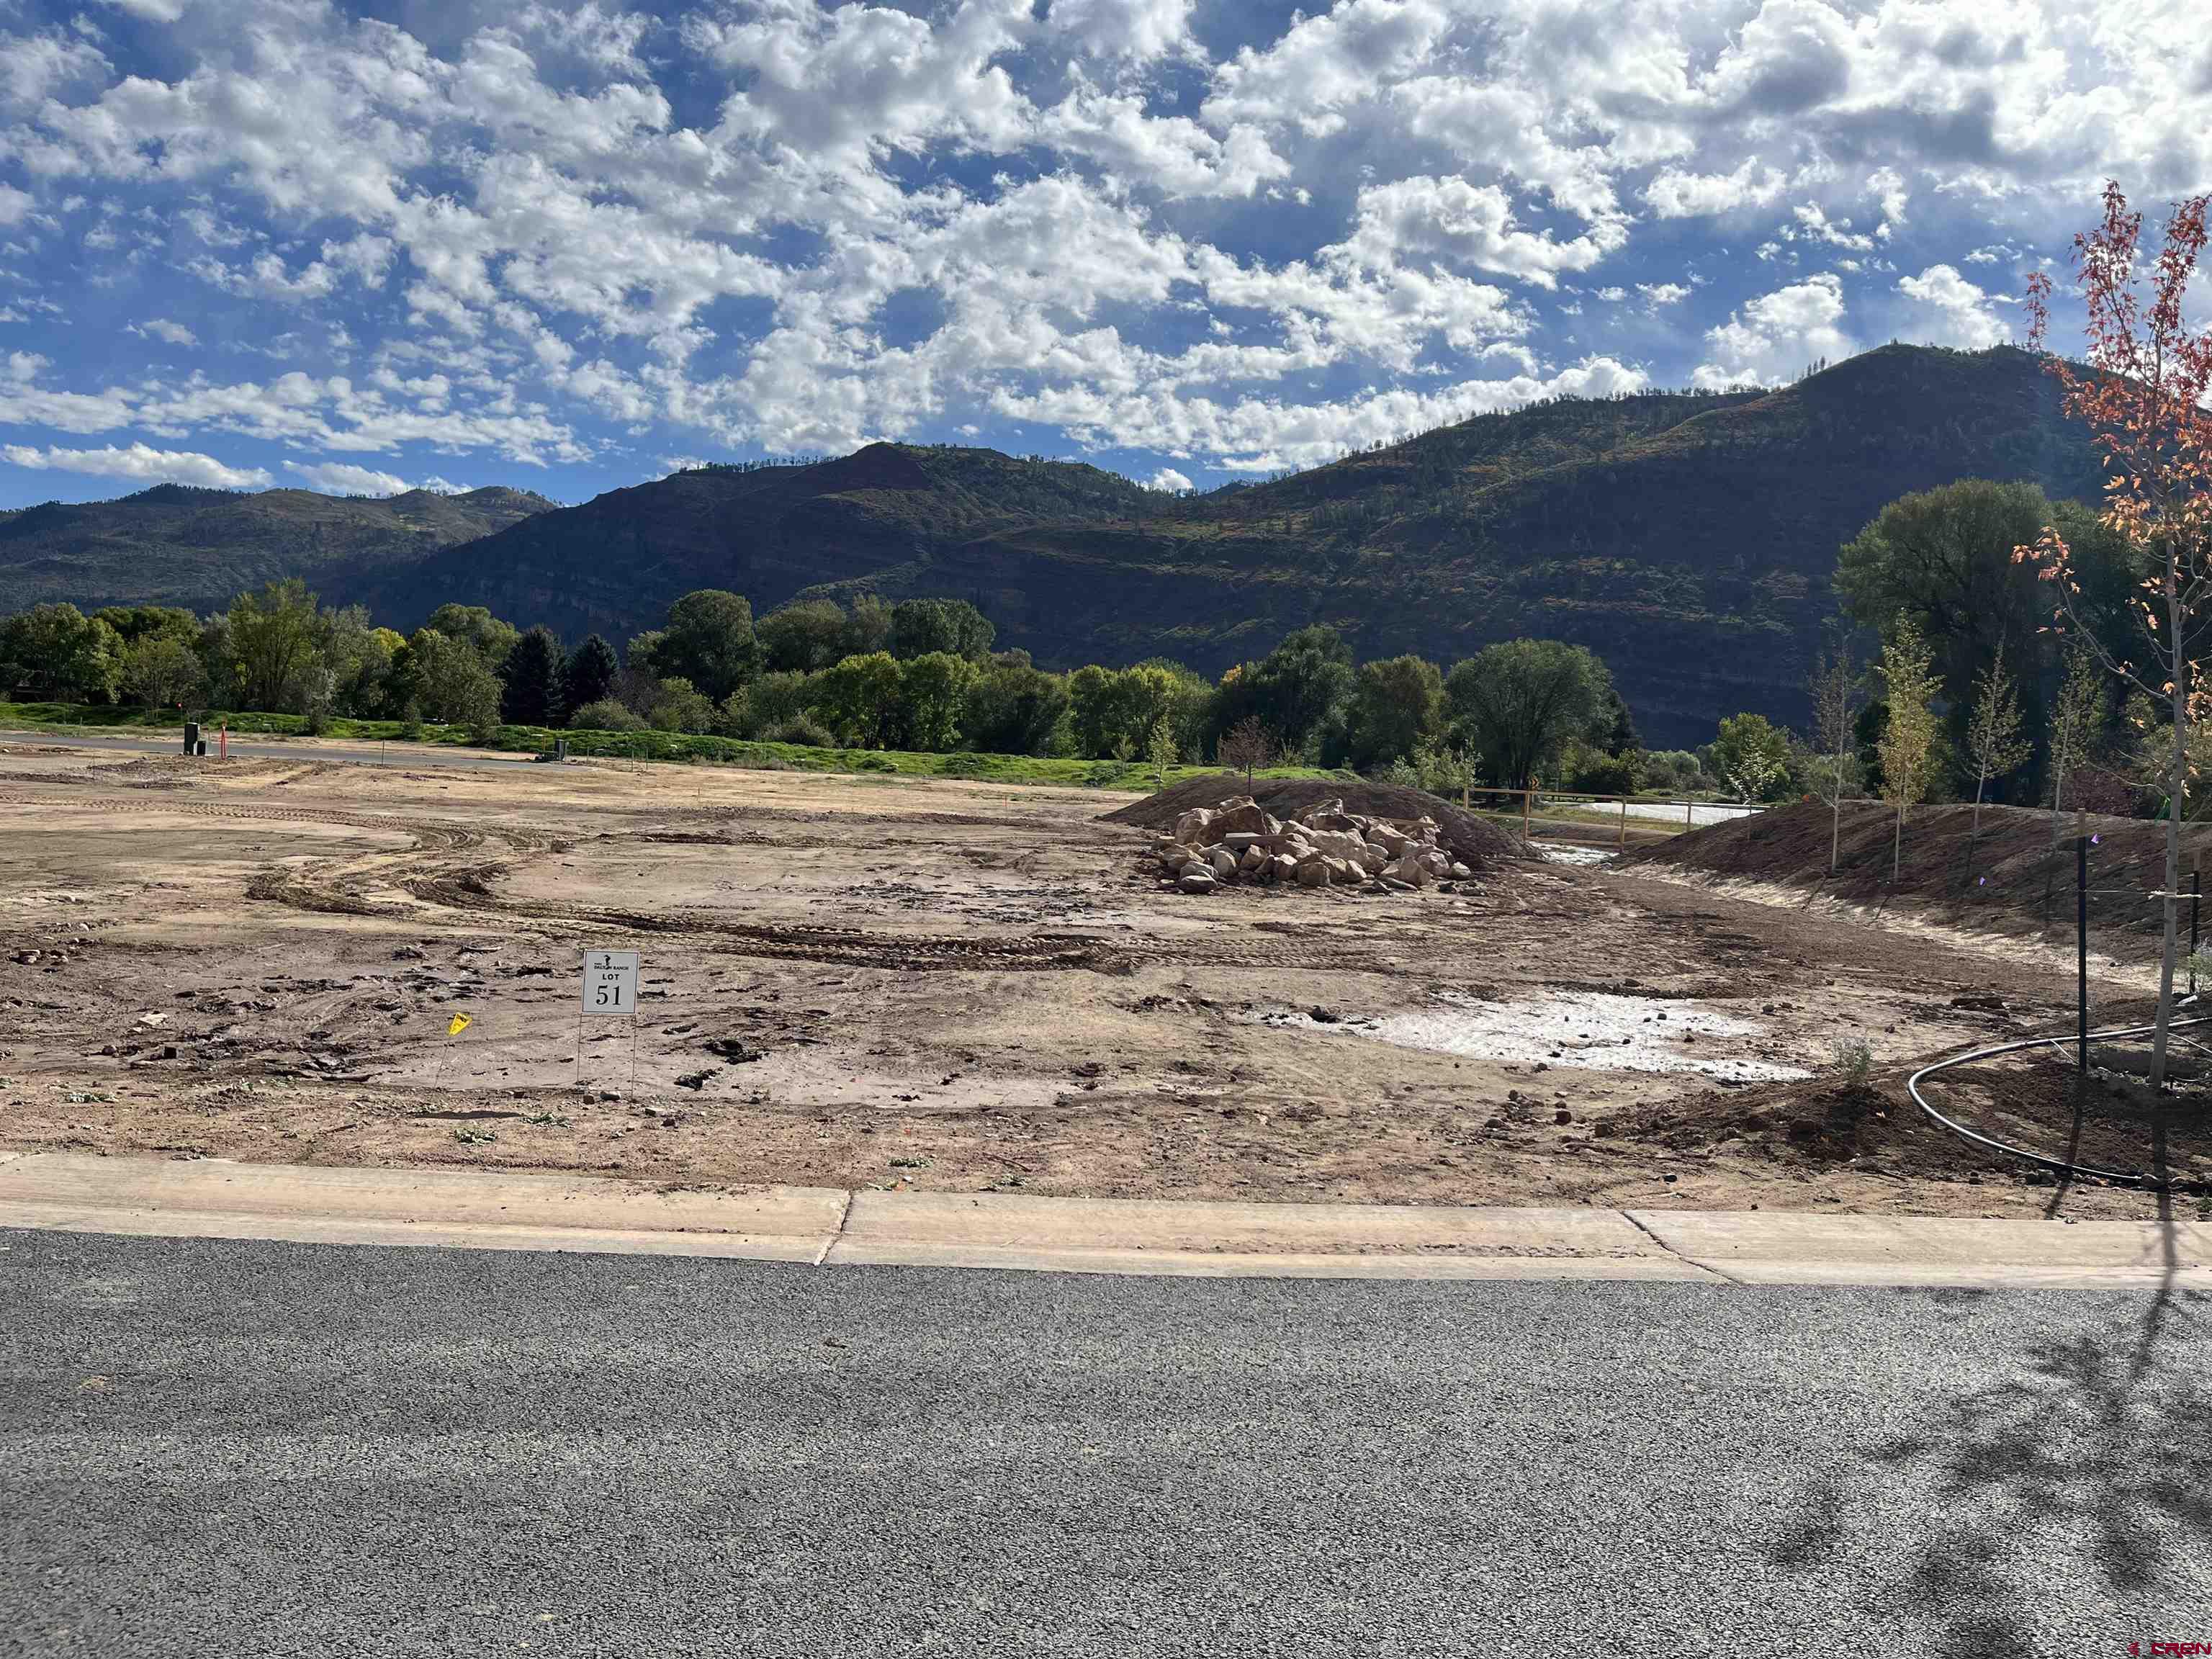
(2177,781)
(1835,830)
(1897,846)
(2057,824)
(1981,782)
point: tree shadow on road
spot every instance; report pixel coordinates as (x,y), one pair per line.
(2087,1471)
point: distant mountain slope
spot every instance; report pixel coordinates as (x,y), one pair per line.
(173,545)
(767,531)
(1689,540)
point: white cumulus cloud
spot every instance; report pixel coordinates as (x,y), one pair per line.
(1772,338)
(1948,310)
(343,478)
(139,462)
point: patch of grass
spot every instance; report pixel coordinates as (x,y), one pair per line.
(1066,772)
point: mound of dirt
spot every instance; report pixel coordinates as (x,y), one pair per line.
(2007,879)
(1474,841)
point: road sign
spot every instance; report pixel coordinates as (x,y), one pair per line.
(611,983)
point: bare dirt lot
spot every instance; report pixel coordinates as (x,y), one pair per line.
(864,981)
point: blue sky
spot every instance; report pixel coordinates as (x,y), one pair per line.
(569,247)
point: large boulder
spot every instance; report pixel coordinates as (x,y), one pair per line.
(1312,873)
(1197,881)
(1191,829)
(1240,817)
(1224,864)
(1338,844)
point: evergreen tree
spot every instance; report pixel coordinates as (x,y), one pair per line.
(590,675)
(530,680)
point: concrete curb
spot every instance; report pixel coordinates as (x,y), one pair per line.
(493,1209)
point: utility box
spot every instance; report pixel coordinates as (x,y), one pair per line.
(192,743)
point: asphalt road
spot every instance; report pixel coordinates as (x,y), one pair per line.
(228,1449)
(340,750)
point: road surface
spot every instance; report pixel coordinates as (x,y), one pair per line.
(232,1449)
(340,750)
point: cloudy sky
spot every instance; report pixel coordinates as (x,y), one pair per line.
(365,246)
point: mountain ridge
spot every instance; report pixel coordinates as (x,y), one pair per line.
(1687,537)
(182,545)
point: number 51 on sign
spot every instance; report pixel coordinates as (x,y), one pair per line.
(610,982)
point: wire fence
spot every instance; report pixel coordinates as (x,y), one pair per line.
(1576,818)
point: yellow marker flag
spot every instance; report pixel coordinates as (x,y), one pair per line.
(460,1022)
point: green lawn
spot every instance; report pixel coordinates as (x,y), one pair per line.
(676,746)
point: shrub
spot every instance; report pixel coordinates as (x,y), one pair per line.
(801,729)
(1855,1060)
(605,715)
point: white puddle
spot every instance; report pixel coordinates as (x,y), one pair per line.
(1588,1031)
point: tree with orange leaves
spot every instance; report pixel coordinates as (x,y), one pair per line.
(2142,392)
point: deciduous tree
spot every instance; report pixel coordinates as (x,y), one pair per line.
(953,626)
(1835,730)
(1246,747)
(1908,742)
(802,639)
(708,641)
(2143,394)
(475,627)
(447,680)
(1751,754)
(160,671)
(1397,705)
(60,653)
(932,696)
(1161,751)
(1994,743)
(1517,703)
(273,663)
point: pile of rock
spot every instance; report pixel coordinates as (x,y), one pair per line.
(1323,846)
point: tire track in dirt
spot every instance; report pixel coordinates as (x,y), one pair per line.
(427,872)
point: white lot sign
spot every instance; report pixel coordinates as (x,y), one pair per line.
(610,982)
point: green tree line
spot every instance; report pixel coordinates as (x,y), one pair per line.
(920,674)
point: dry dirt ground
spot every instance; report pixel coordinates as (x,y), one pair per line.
(865,981)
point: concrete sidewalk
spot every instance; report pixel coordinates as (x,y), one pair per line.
(822,1225)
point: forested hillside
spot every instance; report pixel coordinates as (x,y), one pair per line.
(175,544)
(1688,540)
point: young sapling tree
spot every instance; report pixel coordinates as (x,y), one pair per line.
(1908,746)
(1994,742)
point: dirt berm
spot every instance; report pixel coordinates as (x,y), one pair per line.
(2005,881)
(1474,841)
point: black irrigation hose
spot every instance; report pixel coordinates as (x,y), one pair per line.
(2132,1177)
